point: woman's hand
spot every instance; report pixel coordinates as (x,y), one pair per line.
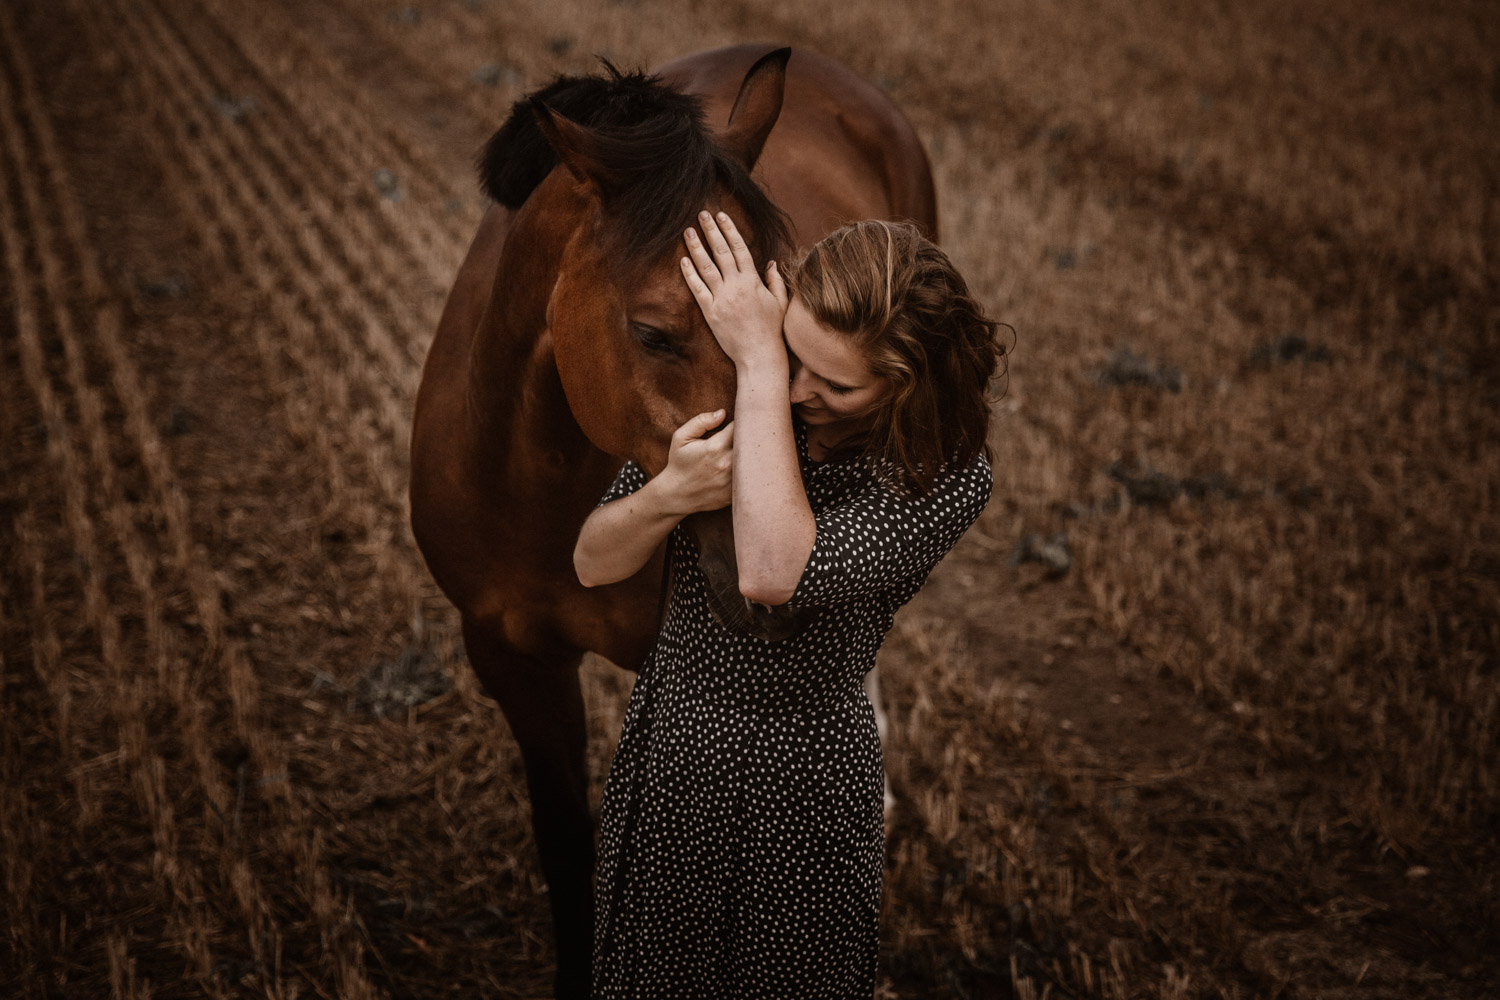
(743,313)
(618,538)
(699,472)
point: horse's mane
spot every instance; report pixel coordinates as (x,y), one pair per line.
(654,140)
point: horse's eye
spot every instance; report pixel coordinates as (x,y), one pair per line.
(653,339)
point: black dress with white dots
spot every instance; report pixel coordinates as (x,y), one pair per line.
(742,830)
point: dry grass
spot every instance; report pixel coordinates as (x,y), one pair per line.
(1243,747)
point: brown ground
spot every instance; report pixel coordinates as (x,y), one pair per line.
(1244,746)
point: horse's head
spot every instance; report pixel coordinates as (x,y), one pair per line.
(633,352)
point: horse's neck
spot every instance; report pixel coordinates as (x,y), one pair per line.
(522,431)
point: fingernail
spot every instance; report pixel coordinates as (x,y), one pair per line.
(724,216)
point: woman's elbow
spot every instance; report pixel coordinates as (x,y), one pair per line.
(588,573)
(770,580)
(768,591)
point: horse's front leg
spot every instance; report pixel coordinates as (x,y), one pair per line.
(543,703)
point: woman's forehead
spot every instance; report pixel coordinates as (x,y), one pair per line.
(827,352)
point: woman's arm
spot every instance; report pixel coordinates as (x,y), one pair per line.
(774,528)
(619,537)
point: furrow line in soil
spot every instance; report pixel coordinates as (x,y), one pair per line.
(24,775)
(421,58)
(273,259)
(177,884)
(220,220)
(218,211)
(48,800)
(383,453)
(345,227)
(453,41)
(166,648)
(70,468)
(265,750)
(47,653)
(340,122)
(335,107)
(315,245)
(167,654)
(58,265)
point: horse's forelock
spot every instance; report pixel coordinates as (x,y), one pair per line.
(668,183)
(653,141)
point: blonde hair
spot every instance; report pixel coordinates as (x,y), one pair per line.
(901,300)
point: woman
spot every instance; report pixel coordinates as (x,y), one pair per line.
(742,833)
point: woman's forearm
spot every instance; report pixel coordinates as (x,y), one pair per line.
(774,528)
(620,537)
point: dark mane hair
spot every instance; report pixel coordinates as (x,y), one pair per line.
(654,141)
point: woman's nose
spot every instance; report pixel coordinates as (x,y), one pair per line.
(801,387)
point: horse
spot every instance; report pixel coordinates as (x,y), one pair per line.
(569,342)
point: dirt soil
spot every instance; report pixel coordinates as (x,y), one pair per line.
(1204,706)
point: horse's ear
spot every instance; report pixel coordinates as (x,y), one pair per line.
(579,150)
(756,108)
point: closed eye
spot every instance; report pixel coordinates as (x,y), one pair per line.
(839,390)
(654,340)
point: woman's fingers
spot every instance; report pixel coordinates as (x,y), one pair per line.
(704,297)
(723,255)
(721,251)
(707,269)
(737,245)
(696,427)
(704,466)
(775,284)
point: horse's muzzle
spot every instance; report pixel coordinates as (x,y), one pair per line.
(714,533)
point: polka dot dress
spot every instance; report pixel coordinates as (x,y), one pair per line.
(741,831)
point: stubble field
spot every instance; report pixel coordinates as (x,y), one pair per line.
(1244,745)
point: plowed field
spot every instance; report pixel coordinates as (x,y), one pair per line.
(1238,739)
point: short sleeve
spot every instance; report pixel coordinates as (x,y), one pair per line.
(879,542)
(630,478)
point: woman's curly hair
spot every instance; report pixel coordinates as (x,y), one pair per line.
(911,314)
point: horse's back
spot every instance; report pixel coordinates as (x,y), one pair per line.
(841,149)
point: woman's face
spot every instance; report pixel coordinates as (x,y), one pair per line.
(832,384)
